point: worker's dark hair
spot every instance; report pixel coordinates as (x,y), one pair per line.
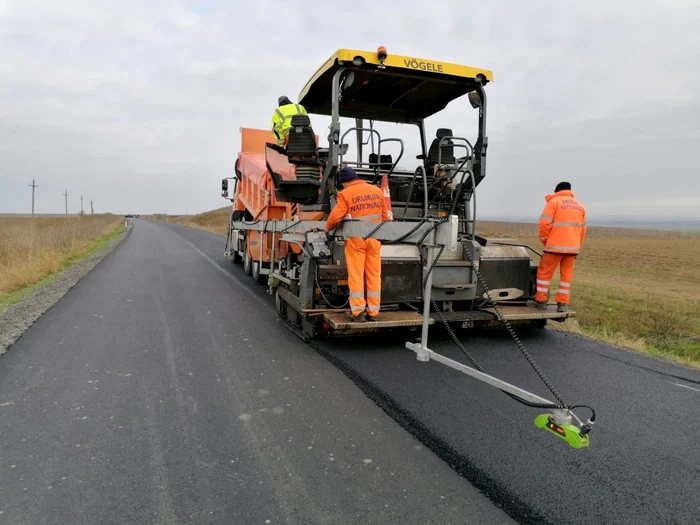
(562,186)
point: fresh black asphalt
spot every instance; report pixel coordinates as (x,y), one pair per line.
(172,307)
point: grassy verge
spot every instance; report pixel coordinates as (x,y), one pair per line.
(36,251)
(637,289)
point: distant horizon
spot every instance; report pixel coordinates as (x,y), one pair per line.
(691,224)
(496,218)
(599,218)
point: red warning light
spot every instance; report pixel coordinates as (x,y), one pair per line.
(556,428)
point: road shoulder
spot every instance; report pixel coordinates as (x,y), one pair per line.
(18,317)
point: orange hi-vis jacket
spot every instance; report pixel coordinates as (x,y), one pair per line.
(359,200)
(563,223)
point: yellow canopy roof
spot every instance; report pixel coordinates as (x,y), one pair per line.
(405,90)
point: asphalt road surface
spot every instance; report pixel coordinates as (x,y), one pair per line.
(157,445)
(160,390)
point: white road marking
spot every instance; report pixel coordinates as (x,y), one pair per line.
(686,386)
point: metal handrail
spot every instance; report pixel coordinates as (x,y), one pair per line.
(342,139)
(393,166)
(468,146)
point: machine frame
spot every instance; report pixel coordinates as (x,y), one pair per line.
(387,88)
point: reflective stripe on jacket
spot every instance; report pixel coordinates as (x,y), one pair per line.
(359,200)
(563,223)
(282,120)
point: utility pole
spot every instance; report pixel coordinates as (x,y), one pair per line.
(92,210)
(81,206)
(34,185)
(65,194)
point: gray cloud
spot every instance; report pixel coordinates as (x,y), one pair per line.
(138,104)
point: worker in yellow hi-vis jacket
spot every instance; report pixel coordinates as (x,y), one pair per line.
(282,118)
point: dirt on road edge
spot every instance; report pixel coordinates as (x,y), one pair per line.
(20,316)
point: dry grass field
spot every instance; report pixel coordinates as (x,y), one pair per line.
(634,288)
(31,249)
(213,221)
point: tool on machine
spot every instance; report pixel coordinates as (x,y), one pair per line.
(559,422)
(317,244)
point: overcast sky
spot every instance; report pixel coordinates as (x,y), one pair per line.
(138,104)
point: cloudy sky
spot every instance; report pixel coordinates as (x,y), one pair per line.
(137,104)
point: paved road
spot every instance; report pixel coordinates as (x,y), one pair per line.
(644,462)
(161,390)
(169,459)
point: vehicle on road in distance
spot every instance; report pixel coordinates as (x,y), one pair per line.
(280,194)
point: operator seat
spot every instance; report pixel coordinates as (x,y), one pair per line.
(301,142)
(448,150)
(381,162)
(302,155)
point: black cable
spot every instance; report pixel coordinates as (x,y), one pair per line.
(588,425)
(512,333)
(471,359)
(435,225)
(294,223)
(375,230)
(402,237)
(407,235)
(592,418)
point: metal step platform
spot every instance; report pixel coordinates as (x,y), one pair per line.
(510,313)
(523,313)
(386,320)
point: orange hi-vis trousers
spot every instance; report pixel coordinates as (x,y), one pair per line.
(364,261)
(545,272)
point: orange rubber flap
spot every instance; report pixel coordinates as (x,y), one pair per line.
(252,165)
(280,164)
(253,140)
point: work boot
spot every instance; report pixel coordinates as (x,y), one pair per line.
(540,305)
(373,318)
(562,307)
(355,318)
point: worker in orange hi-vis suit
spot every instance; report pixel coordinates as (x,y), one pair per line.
(562,231)
(360,200)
